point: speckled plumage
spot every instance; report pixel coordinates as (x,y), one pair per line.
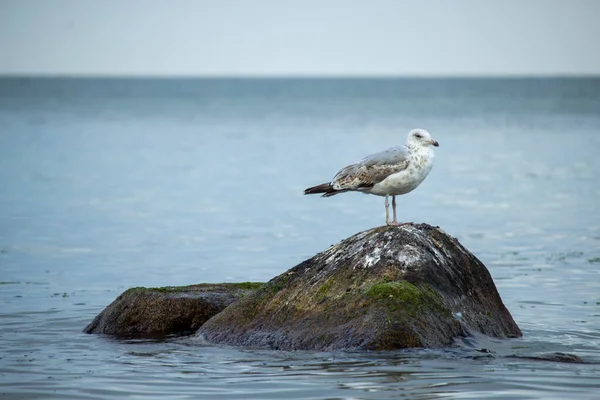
(395,171)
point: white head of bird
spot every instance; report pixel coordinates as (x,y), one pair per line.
(420,138)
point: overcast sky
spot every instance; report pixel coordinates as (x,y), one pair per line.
(300,37)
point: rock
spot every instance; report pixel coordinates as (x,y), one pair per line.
(386,288)
(553,357)
(157,312)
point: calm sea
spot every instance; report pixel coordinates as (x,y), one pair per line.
(107,184)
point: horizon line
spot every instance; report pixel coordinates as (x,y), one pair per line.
(295,76)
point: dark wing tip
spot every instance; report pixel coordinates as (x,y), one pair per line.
(322,188)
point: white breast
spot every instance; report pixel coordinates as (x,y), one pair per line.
(407,180)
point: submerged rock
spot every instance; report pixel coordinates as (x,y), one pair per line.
(156,312)
(553,357)
(386,288)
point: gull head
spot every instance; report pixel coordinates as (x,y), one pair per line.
(420,137)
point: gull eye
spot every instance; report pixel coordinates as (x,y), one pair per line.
(418,136)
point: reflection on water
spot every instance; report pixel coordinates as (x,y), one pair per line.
(107,185)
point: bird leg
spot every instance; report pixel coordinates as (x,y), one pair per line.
(387,213)
(395,221)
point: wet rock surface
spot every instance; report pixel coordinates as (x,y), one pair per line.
(157,312)
(386,288)
(553,357)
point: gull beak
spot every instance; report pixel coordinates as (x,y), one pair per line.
(434,143)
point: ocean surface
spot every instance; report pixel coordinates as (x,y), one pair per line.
(106,184)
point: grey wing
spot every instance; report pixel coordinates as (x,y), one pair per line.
(372,169)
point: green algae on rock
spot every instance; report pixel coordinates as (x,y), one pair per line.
(170,310)
(386,288)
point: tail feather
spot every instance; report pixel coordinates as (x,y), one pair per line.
(324,188)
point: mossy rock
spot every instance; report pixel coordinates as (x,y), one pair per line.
(170,310)
(386,288)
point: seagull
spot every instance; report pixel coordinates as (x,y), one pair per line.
(392,172)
